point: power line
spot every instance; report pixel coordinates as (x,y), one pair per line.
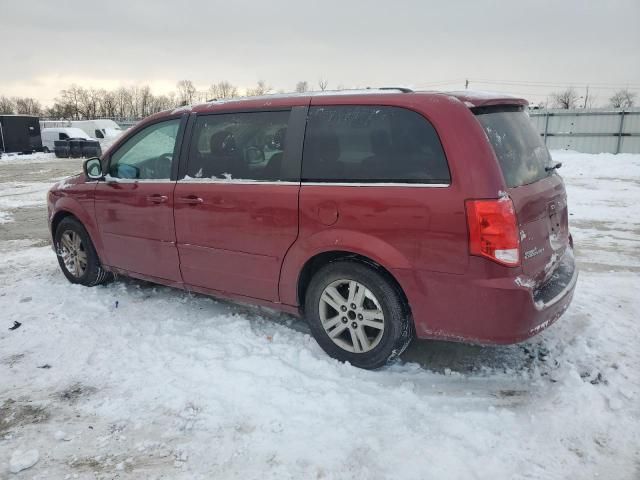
(602,86)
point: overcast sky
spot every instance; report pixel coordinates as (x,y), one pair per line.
(524,47)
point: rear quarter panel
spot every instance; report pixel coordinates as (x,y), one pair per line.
(407,228)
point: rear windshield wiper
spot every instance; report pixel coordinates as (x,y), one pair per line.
(553,167)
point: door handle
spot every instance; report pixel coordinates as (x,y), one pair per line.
(157,198)
(191,200)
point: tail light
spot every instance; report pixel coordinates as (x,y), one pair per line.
(493,230)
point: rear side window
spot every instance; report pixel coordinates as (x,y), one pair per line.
(238,146)
(369,144)
(522,154)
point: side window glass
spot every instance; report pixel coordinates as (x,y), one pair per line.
(63,136)
(371,144)
(148,154)
(238,146)
(99,134)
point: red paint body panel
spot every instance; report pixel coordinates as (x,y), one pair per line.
(251,241)
(138,234)
(235,240)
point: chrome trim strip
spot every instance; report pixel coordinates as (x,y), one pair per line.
(222,181)
(379,184)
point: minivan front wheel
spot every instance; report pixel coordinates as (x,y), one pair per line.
(76,254)
(357,315)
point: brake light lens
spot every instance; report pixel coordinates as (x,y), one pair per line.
(493,230)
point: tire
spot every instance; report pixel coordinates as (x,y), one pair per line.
(377,330)
(75,249)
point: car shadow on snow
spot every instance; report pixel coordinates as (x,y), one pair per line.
(431,355)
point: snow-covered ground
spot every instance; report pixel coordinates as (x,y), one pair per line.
(132,380)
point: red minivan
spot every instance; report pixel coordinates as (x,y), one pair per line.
(377,215)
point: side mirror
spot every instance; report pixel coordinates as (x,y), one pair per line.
(93,168)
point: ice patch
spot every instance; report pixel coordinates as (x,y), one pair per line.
(5,217)
(21,460)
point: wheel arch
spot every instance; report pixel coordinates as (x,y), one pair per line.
(69,207)
(57,218)
(318,261)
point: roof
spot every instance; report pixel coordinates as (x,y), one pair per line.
(18,115)
(384,95)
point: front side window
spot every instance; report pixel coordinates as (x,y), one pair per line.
(148,154)
(238,146)
(372,144)
(98,134)
(63,136)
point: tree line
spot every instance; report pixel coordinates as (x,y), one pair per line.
(77,102)
(570,98)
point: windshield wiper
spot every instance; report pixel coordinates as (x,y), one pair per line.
(553,167)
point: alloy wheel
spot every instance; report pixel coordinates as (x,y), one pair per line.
(73,253)
(351,316)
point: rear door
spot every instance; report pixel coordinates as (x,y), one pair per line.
(236,210)
(134,206)
(535,187)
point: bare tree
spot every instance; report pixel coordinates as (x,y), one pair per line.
(323,83)
(89,102)
(27,106)
(565,99)
(260,89)
(223,89)
(623,98)
(71,98)
(144,100)
(108,103)
(7,106)
(302,86)
(186,91)
(123,101)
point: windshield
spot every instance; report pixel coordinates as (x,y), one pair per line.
(521,152)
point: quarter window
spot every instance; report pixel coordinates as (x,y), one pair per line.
(148,154)
(238,146)
(372,144)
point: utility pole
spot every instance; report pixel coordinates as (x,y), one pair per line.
(586,96)
(466,84)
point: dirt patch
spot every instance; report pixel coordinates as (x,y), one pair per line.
(11,360)
(17,414)
(109,466)
(75,392)
(28,223)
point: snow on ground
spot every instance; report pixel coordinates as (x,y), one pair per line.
(132,380)
(40,157)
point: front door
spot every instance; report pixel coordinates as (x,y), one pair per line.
(134,205)
(236,207)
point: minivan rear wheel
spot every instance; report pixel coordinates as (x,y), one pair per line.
(357,315)
(77,256)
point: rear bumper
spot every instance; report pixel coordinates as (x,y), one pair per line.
(487,309)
